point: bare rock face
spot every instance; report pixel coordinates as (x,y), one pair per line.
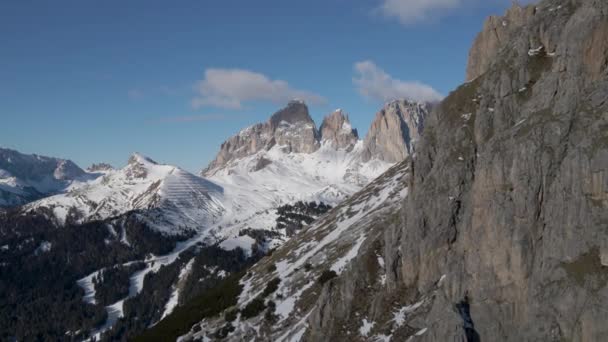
(395,130)
(504,234)
(494,35)
(100,167)
(337,130)
(291,127)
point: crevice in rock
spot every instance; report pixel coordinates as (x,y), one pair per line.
(454,221)
(464,310)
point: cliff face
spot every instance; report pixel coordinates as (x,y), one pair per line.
(291,126)
(493,36)
(395,130)
(390,139)
(504,234)
(336,129)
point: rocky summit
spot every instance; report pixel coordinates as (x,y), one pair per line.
(395,130)
(336,130)
(390,139)
(291,127)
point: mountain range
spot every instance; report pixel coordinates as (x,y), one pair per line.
(266,183)
(481,217)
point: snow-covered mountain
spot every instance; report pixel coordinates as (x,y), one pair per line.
(287,159)
(282,161)
(168,198)
(25,178)
(255,195)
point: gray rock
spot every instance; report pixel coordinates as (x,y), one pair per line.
(291,127)
(391,137)
(96,167)
(395,131)
(337,130)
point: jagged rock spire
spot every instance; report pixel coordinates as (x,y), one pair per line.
(337,130)
(395,130)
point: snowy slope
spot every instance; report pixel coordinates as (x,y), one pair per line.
(171,199)
(332,243)
(25,178)
(327,175)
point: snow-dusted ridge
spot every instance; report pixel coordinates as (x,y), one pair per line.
(332,243)
(170,199)
(25,178)
(327,175)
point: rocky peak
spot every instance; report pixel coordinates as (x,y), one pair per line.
(137,158)
(35,167)
(395,130)
(138,166)
(67,170)
(291,127)
(493,36)
(337,130)
(295,112)
(97,167)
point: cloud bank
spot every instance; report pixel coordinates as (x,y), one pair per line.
(230,88)
(412,11)
(374,83)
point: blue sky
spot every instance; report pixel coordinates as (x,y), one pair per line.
(94,81)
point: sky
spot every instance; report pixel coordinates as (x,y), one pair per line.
(94,81)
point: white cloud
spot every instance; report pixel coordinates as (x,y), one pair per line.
(373,82)
(414,11)
(230,88)
(411,11)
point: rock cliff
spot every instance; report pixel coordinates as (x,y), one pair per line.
(503,236)
(291,127)
(337,130)
(390,139)
(395,130)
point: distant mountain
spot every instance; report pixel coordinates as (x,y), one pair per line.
(287,159)
(169,198)
(129,246)
(395,131)
(25,178)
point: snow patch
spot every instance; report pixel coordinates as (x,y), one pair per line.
(366,327)
(341,264)
(400,315)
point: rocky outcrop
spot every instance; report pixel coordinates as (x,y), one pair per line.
(395,130)
(337,130)
(507,209)
(100,167)
(291,127)
(495,34)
